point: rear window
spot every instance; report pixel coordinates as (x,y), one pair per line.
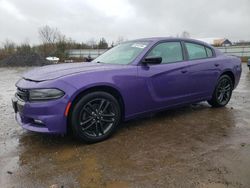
(195,51)
(209,52)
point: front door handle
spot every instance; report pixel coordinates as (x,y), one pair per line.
(183,71)
(216,64)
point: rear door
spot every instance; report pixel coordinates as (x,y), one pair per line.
(202,69)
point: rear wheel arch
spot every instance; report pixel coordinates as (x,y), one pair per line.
(231,75)
(222,92)
(108,89)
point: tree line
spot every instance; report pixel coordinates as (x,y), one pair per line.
(53,43)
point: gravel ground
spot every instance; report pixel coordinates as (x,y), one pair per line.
(194,146)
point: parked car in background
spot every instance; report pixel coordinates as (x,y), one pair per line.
(54,60)
(132,79)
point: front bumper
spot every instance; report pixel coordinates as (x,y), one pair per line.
(44,117)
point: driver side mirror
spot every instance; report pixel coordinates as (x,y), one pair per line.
(152,60)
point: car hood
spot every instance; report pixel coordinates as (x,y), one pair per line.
(51,72)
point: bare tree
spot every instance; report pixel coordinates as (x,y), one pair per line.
(9,46)
(92,43)
(120,39)
(24,48)
(185,34)
(48,34)
(50,37)
(102,44)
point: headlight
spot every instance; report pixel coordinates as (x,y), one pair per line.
(45,94)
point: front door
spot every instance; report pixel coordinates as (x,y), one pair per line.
(166,84)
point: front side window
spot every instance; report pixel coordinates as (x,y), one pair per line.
(122,54)
(195,51)
(169,52)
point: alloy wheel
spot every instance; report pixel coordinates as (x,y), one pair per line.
(224,91)
(97,117)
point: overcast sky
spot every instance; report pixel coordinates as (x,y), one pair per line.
(83,20)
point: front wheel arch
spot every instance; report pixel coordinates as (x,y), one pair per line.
(108,89)
(95,117)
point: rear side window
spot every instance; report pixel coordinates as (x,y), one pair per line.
(209,52)
(195,51)
(169,51)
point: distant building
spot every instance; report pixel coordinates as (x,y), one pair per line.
(85,53)
(217,41)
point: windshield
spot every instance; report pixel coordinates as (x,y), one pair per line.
(122,54)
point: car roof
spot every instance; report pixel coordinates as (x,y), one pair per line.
(158,39)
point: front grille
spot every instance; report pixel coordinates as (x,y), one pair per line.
(22,94)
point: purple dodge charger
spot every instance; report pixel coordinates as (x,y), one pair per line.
(130,80)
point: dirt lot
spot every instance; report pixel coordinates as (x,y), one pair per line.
(195,146)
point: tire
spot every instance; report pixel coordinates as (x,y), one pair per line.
(223,92)
(95,117)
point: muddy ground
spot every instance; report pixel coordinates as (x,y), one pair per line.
(195,146)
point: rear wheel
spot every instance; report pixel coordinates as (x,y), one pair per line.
(95,117)
(223,92)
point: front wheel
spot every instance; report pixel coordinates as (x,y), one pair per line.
(223,92)
(95,117)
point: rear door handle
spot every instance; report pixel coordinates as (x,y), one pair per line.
(184,71)
(216,64)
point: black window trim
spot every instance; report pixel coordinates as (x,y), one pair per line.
(165,41)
